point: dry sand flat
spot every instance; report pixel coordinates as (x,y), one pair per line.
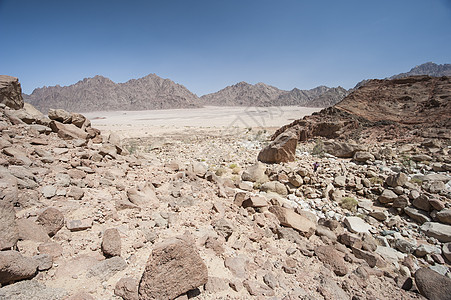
(134,124)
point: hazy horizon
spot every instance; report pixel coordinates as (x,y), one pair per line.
(208,45)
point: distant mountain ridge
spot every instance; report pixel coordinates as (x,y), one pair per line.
(260,94)
(153,92)
(100,93)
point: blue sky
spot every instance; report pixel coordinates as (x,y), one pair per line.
(207,44)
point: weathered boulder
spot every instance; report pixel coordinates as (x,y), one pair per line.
(439,231)
(11,92)
(14,266)
(68,131)
(342,149)
(444,216)
(127,288)
(255,173)
(417,214)
(9,232)
(363,156)
(173,268)
(107,268)
(111,242)
(275,187)
(60,115)
(52,220)
(289,218)
(398,179)
(433,285)
(357,225)
(282,149)
(330,256)
(387,196)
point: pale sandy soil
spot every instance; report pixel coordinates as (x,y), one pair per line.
(135,124)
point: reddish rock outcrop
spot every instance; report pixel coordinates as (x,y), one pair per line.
(417,106)
(11,92)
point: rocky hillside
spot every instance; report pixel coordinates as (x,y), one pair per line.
(100,93)
(260,94)
(429,68)
(418,106)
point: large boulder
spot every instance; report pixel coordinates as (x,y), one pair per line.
(441,232)
(68,131)
(52,220)
(282,149)
(11,92)
(289,218)
(433,285)
(9,232)
(173,268)
(60,115)
(111,242)
(342,149)
(255,173)
(14,266)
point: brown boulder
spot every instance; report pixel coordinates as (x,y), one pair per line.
(68,131)
(52,220)
(127,288)
(282,149)
(111,243)
(433,285)
(173,268)
(14,266)
(60,115)
(11,92)
(9,232)
(289,218)
(330,256)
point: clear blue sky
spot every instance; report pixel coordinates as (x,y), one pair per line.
(209,44)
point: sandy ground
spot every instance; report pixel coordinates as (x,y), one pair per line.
(135,124)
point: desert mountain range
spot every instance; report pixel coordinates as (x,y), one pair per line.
(153,92)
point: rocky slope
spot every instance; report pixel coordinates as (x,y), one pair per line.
(100,93)
(407,108)
(260,94)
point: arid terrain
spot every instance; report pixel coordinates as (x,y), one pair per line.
(228,203)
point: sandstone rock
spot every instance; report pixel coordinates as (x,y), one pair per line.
(330,256)
(68,131)
(363,156)
(255,173)
(9,232)
(173,268)
(401,202)
(357,225)
(370,258)
(342,149)
(388,196)
(108,149)
(52,220)
(350,240)
(255,201)
(340,181)
(296,180)
(439,231)
(111,243)
(432,285)
(423,250)
(421,157)
(417,215)
(60,115)
(436,204)
(282,149)
(398,179)
(78,120)
(127,288)
(444,216)
(422,202)
(11,92)
(51,248)
(18,154)
(45,261)
(107,268)
(275,187)
(76,192)
(78,225)
(289,218)
(14,266)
